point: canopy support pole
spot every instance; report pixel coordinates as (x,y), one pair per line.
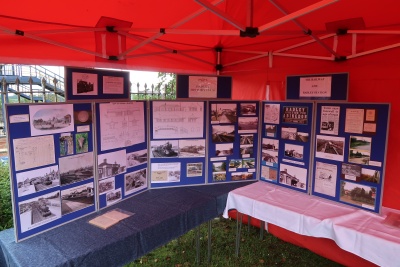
(374,50)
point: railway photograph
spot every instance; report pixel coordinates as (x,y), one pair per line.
(39,210)
(249,163)
(248,109)
(164,149)
(270,130)
(246,139)
(223,133)
(330,147)
(294,151)
(37,180)
(223,150)
(224,113)
(248,124)
(246,150)
(106,185)
(194,169)
(270,144)
(76,168)
(192,148)
(77,198)
(270,156)
(135,181)
(136,158)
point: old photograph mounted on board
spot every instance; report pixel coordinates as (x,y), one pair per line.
(37,180)
(271,113)
(293,176)
(164,149)
(248,124)
(270,144)
(106,185)
(246,139)
(192,148)
(270,130)
(84,83)
(237,176)
(223,133)
(358,194)
(249,163)
(111,164)
(330,147)
(113,197)
(224,149)
(51,119)
(77,198)
(351,172)
(194,169)
(135,181)
(360,149)
(289,133)
(270,157)
(248,109)
(223,113)
(136,158)
(82,142)
(369,175)
(39,210)
(219,166)
(294,151)
(76,168)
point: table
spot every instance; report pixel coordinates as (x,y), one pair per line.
(160,215)
(357,231)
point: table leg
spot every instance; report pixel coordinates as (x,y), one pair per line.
(198,244)
(209,242)
(248,223)
(262,226)
(238,231)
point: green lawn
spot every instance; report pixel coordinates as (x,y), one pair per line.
(270,251)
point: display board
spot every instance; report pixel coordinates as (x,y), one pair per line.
(95,84)
(287,130)
(121,134)
(350,151)
(330,86)
(177,143)
(203,87)
(51,165)
(233,140)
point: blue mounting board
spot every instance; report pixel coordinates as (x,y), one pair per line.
(286,144)
(51,165)
(121,129)
(339,87)
(177,143)
(350,152)
(224,86)
(95,84)
(233,140)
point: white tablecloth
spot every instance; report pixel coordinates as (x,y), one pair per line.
(357,231)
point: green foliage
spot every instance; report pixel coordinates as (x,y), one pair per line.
(167,84)
(6,217)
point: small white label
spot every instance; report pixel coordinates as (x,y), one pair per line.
(19,118)
(375,163)
(85,128)
(251,170)
(232,169)
(350,177)
(217,159)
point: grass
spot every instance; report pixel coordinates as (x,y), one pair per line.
(270,251)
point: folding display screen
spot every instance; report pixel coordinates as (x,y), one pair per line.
(177,143)
(233,140)
(286,136)
(350,151)
(51,165)
(121,150)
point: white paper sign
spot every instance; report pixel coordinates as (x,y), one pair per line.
(316,86)
(202,87)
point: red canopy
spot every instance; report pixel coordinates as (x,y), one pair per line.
(257,42)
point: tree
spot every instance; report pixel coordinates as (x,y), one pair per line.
(166,85)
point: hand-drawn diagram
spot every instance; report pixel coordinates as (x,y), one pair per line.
(121,124)
(33,152)
(178,120)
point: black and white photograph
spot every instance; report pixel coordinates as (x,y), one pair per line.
(270,157)
(248,124)
(289,133)
(330,147)
(136,158)
(219,166)
(295,114)
(113,197)
(51,119)
(37,180)
(219,176)
(294,151)
(369,175)
(325,178)
(358,195)
(246,139)
(248,109)
(106,185)
(194,169)
(77,198)
(164,149)
(192,148)
(111,164)
(76,168)
(247,151)
(351,172)
(302,137)
(224,113)
(135,181)
(249,163)
(293,176)
(223,133)
(84,83)
(40,210)
(222,150)
(271,113)
(66,144)
(270,130)
(235,163)
(270,144)
(269,174)
(237,176)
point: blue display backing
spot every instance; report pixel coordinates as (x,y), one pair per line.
(100,74)
(184,179)
(231,148)
(22,130)
(295,122)
(224,86)
(377,154)
(119,179)
(339,87)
